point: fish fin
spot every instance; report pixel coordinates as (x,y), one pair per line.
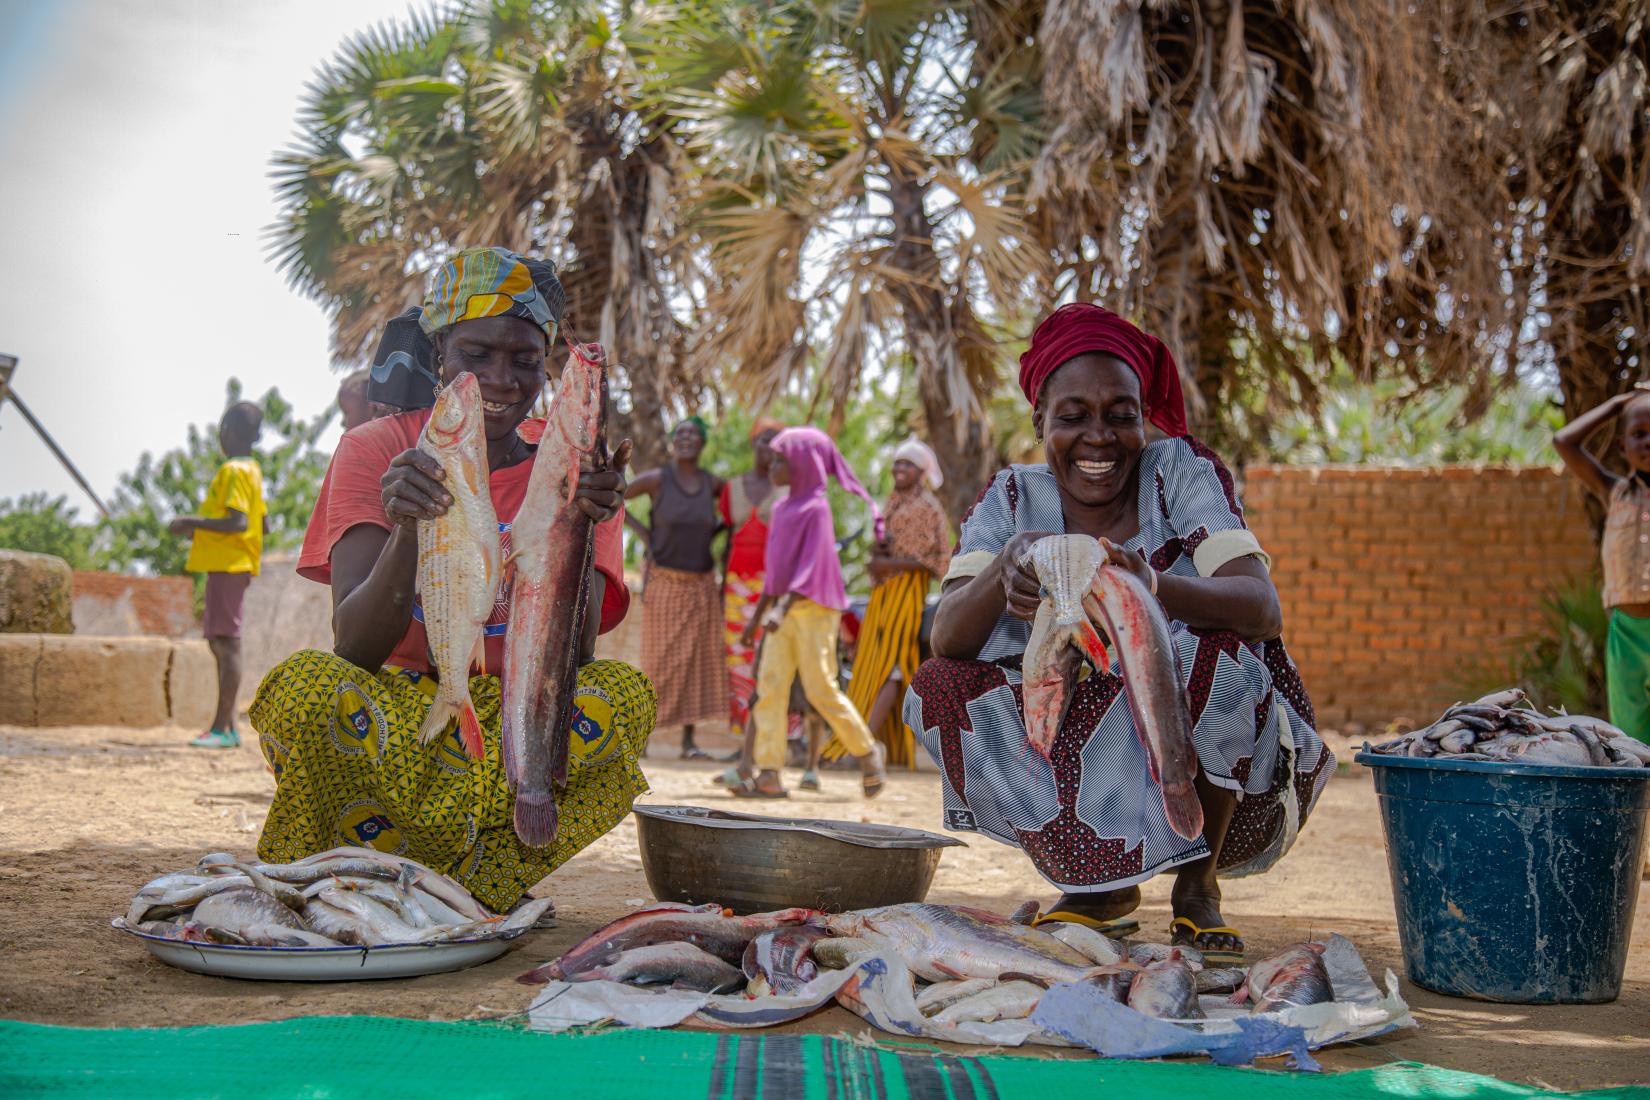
(1017,976)
(538,975)
(469,731)
(536,818)
(436,721)
(478,655)
(943,969)
(531,430)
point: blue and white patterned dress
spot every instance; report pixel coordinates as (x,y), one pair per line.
(1091,818)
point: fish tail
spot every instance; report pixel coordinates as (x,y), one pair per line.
(536,818)
(469,730)
(436,721)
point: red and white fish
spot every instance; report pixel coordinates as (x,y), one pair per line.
(1074,573)
(458,560)
(552,543)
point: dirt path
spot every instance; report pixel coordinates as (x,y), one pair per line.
(88,815)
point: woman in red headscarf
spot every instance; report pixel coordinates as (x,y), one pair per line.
(1090,817)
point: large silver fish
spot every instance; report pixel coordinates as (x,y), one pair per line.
(552,543)
(1167,990)
(678,964)
(1294,976)
(938,942)
(251,916)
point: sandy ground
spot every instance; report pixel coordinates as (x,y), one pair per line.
(87,815)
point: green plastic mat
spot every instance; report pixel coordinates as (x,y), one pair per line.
(368,1056)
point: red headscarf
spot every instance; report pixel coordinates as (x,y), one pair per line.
(1082,327)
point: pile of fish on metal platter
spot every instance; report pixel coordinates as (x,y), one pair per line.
(1505,726)
(461,573)
(346,896)
(944,972)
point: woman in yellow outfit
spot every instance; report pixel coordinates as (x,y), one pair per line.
(804,580)
(340,730)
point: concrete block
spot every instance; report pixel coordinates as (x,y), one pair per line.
(19,657)
(114,603)
(192,684)
(36,594)
(93,681)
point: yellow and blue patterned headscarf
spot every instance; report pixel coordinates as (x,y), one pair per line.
(493,282)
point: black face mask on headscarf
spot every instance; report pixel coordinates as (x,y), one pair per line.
(403,367)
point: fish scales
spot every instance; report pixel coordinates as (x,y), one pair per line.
(552,544)
(937,942)
(459,567)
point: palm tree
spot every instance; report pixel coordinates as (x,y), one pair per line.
(838,191)
(506,122)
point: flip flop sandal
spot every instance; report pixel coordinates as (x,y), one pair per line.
(694,754)
(729,778)
(747,788)
(1220,956)
(1116,927)
(873,784)
(810,782)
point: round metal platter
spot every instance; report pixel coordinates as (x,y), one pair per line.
(320,964)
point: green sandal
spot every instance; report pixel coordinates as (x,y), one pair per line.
(217,739)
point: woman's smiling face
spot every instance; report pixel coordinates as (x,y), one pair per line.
(506,354)
(1093,425)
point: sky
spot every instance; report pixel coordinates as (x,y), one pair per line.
(135,142)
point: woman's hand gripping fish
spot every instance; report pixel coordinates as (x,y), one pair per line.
(1084,593)
(551,546)
(458,560)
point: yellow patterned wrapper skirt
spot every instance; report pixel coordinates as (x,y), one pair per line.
(349,768)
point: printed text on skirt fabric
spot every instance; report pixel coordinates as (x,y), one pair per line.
(349,768)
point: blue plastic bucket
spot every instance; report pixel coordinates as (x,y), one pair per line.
(1513,882)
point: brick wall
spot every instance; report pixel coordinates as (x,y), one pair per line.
(116,604)
(1398,584)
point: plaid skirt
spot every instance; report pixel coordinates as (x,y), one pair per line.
(682,646)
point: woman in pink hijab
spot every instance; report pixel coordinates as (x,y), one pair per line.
(804,585)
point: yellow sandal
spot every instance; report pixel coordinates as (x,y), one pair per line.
(1223,956)
(1116,927)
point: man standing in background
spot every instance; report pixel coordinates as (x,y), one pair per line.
(228,541)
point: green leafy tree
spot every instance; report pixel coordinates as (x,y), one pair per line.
(175,484)
(46,525)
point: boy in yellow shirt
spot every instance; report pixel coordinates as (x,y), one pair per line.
(228,542)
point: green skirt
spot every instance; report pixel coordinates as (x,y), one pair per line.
(349,768)
(1627,673)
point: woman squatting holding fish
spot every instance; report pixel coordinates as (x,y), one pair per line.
(1091,816)
(341,730)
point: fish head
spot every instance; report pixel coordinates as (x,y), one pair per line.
(577,408)
(457,413)
(1066,565)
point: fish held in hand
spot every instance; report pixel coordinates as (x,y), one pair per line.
(459,566)
(1293,977)
(1061,634)
(552,544)
(1085,595)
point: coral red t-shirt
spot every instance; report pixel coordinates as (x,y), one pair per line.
(350,496)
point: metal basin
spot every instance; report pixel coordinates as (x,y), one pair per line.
(753,864)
